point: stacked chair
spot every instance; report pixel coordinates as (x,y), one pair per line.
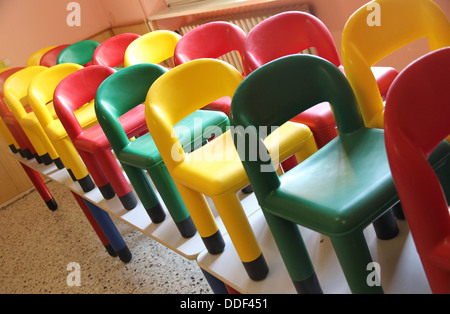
(331,194)
(40,96)
(416,124)
(214,169)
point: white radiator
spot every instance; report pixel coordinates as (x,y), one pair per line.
(246,21)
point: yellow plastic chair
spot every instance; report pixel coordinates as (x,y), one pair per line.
(15,91)
(214,169)
(402,22)
(153,47)
(40,95)
(35,58)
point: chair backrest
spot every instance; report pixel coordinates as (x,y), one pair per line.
(288,33)
(76,90)
(4,76)
(210,40)
(120,93)
(275,93)
(364,44)
(111,52)
(15,89)
(50,58)
(35,58)
(182,91)
(80,52)
(153,47)
(416,121)
(4,110)
(42,87)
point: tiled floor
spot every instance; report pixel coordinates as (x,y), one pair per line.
(37,245)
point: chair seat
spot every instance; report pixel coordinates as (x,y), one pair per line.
(337,194)
(143,152)
(94,138)
(216,167)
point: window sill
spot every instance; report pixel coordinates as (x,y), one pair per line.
(203,7)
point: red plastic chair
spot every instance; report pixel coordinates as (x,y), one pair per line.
(50,58)
(92,145)
(111,52)
(417,120)
(290,33)
(211,40)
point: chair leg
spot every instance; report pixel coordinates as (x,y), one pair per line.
(40,186)
(115,176)
(217,286)
(112,234)
(398,211)
(144,190)
(72,161)
(354,257)
(174,203)
(203,219)
(386,226)
(97,174)
(294,253)
(241,234)
(95,225)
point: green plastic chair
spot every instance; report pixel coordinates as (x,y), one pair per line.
(124,91)
(338,191)
(81,53)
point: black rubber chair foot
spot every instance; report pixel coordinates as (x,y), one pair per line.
(13,149)
(59,164)
(28,153)
(107,191)
(156,213)
(310,285)
(51,204)
(129,201)
(257,269)
(38,159)
(110,250)
(86,183)
(21,153)
(214,243)
(125,254)
(385,226)
(47,160)
(248,189)
(186,228)
(72,176)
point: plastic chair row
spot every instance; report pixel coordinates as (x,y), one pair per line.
(212,167)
